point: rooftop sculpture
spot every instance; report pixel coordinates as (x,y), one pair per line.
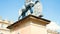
(28,6)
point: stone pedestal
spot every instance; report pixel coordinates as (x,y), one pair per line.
(29,25)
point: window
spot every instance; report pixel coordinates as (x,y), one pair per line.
(3,25)
(1,33)
(18,33)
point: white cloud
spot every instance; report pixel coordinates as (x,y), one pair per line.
(53,26)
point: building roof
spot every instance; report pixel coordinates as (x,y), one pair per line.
(9,27)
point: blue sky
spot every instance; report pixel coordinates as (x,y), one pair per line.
(9,9)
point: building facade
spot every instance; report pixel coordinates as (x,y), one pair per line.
(3,25)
